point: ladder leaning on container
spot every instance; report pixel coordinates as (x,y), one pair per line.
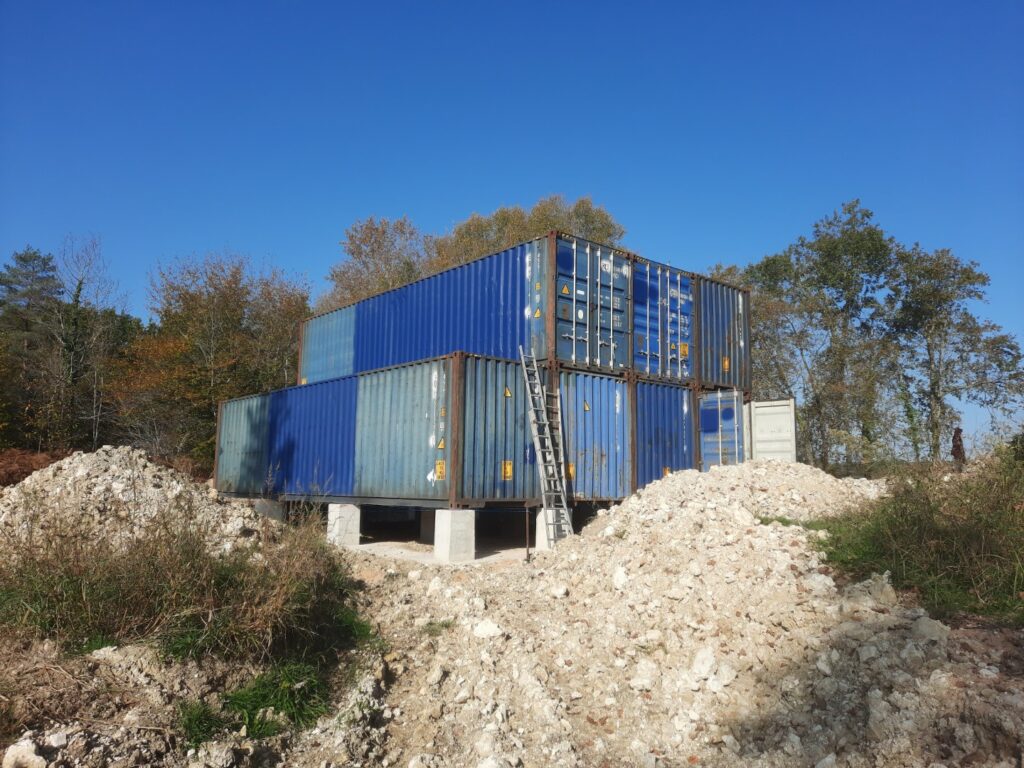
(546,425)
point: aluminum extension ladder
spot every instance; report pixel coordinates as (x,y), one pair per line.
(546,425)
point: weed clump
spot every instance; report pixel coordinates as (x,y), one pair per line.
(958,540)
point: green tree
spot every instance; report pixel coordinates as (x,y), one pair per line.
(818,332)
(30,292)
(946,351)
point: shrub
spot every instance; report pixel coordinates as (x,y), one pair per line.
(956,539)
(286,597)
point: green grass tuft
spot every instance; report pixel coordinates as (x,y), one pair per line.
(294,690)
(437,628)
(198,722)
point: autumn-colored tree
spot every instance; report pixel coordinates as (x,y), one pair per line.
(222,331)
(480,235)
(381,254)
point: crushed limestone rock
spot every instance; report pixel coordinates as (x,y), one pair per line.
(115,492)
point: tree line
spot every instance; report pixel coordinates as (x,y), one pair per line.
(878,341)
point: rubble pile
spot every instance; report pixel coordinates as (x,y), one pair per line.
(679,630)
(115,492)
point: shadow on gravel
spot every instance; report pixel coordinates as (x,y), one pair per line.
(877,693)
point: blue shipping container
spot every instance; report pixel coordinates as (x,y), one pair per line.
(664,430)
(724,335)
(576,292)
(721,428)
(662,314)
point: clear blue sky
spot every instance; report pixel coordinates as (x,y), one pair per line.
(712,131)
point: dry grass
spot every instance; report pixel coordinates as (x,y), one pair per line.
(958,540)
(286,597)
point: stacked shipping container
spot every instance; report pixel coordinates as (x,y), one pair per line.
(629,340)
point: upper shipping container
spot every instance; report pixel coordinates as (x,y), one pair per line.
(582,304)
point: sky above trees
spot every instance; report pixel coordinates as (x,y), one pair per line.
(712,133)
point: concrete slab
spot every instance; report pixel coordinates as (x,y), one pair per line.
(275,510)
(455,535)
(343,523)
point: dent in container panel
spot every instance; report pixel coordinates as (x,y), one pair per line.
(241,451)
(402,445)
(312,438)
(664,430)
(596,435)
(662,320)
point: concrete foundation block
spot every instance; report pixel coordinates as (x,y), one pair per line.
(275,510)
(541,540)
(455,535)
(427,526)
(343,522)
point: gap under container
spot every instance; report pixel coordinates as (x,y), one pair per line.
(568,300)
(446,432)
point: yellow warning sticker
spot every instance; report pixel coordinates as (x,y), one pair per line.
(684,349)
(565,290)
(666,471)
(572,471)
(444,411)
(725,364)
(586,406)
(537,286)
(672,346)
(506,470)
(508,392)
(439,473)
(537,313)
(440,444)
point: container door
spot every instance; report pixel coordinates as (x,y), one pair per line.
(592,291)
(662,309)
(721,428)
(773,430)
(647,311)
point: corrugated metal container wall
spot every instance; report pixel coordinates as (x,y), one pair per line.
(592,295)
(402,446)
(724,335)
(498,460)
(721,428)
(662,320)
(312,438)
(596,432)
(242,434)
(485,307)
(327,341)
(664,430)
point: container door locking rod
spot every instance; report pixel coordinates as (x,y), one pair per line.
(546,424)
